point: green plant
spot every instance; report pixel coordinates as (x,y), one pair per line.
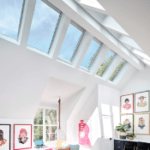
(131,135)
(122,128)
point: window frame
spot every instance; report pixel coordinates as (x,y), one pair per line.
(4,36)
(56,28)
(44,125)
(77,46)
(119,70)
(108,65)
(98,50)
(107,115)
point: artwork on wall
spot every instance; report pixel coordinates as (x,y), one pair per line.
(5,136)
(128,120)
(127,104)
(142,102)
(84,133)
(142,124)
(22,136)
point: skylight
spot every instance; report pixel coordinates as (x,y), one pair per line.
(90,54)
(92,3)
(43,27)
(107,61)
(117,70)
(10,17)
(71,42)
(141,54)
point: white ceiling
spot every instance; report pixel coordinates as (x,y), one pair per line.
(56,88)
(26,75)
(133,16)
(105,18)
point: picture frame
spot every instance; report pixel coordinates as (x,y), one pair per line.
(5,136)
(128,119)
(142,124)
(142,102)
(127,104)
(22,136)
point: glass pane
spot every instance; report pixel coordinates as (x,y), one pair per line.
(51,117)
(10,16)
(39,117)
(38,132)
(43,27)
(70,43)
(118,69)
(105,109)
(107,126)
(108,59)
(51,129)
(50,137)
(90,54)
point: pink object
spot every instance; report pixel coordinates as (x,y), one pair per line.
(127,106)
(49,149)
(83,134)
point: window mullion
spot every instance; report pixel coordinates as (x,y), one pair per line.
(44,127)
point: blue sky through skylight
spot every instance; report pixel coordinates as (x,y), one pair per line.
(10,16)
(90,54)
(44,24)
(70,43)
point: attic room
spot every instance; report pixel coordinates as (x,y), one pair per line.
(75,75)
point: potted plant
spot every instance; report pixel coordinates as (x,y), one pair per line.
(131,136)
(123,130)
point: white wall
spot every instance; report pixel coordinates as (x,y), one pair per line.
(15,121)
(99,94)
(139,82)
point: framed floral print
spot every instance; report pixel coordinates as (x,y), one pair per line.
(22,136)
(142,102)
(5,137)
(128,120)
(127,104)
(142,124)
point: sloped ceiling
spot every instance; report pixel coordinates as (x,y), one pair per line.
(133,16)
(56,88)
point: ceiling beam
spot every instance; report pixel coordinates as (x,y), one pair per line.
(83,47)
(110,23)
(89,5)
(80,16)
(129,42)
(60,36)
(99,59)
(26,22)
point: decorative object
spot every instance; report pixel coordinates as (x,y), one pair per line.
(128,121)
(60,133)
(131,136)
(84,134)
(22,136)
(127,104)
(5,137)
(123,130)
(142,102)
(142,124)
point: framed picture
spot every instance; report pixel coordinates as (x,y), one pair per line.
(5,137)
(127,104)
(142,124)
(142,102)
(22,136)
(128,120)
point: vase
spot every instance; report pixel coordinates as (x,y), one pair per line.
(123,135)
(131,138)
